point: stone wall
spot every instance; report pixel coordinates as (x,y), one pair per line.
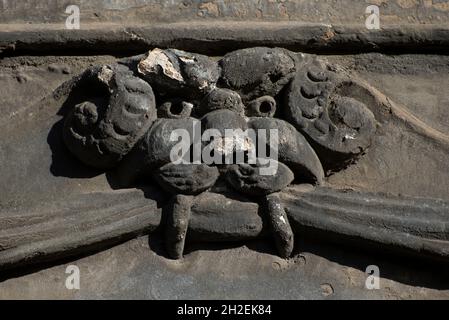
(132,12)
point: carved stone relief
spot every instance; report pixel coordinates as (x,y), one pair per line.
(120,118)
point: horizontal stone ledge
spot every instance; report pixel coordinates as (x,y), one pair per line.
(219,37)
(89,222)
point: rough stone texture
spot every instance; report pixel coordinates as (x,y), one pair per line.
(257,72)
(220,37)
(222,25)
(293,149)
(403,158)
(175,109)
(249,180)
(177,225)
(398,222)
(264,106)
(280,226)
(186,178)
(157,11)
(116,111)
(179,73)
(157,144)
(237,219)
(135,270)
(220,98)
(222,120)
(326,107)
(110,219)
(386,224)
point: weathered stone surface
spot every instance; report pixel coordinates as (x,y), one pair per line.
(137,270)
(294,35)
(390,166)
(220,98)
(80,222)
(396,223)
(328,96)
(261,107)
(324,106)
(222,120)
(293,149)
(224,217)
(216,217)
(248,179)
(256,72)
(157,143)
(178,72)
(175,109)
(117,110)
(223,135)
(279,224)
(177,225)
(188,179)
(128,12)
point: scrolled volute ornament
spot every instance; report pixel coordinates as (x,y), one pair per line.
(318,103)
(118,110)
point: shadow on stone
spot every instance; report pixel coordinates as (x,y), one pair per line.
(81,253)
(405,270)
(64,164)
